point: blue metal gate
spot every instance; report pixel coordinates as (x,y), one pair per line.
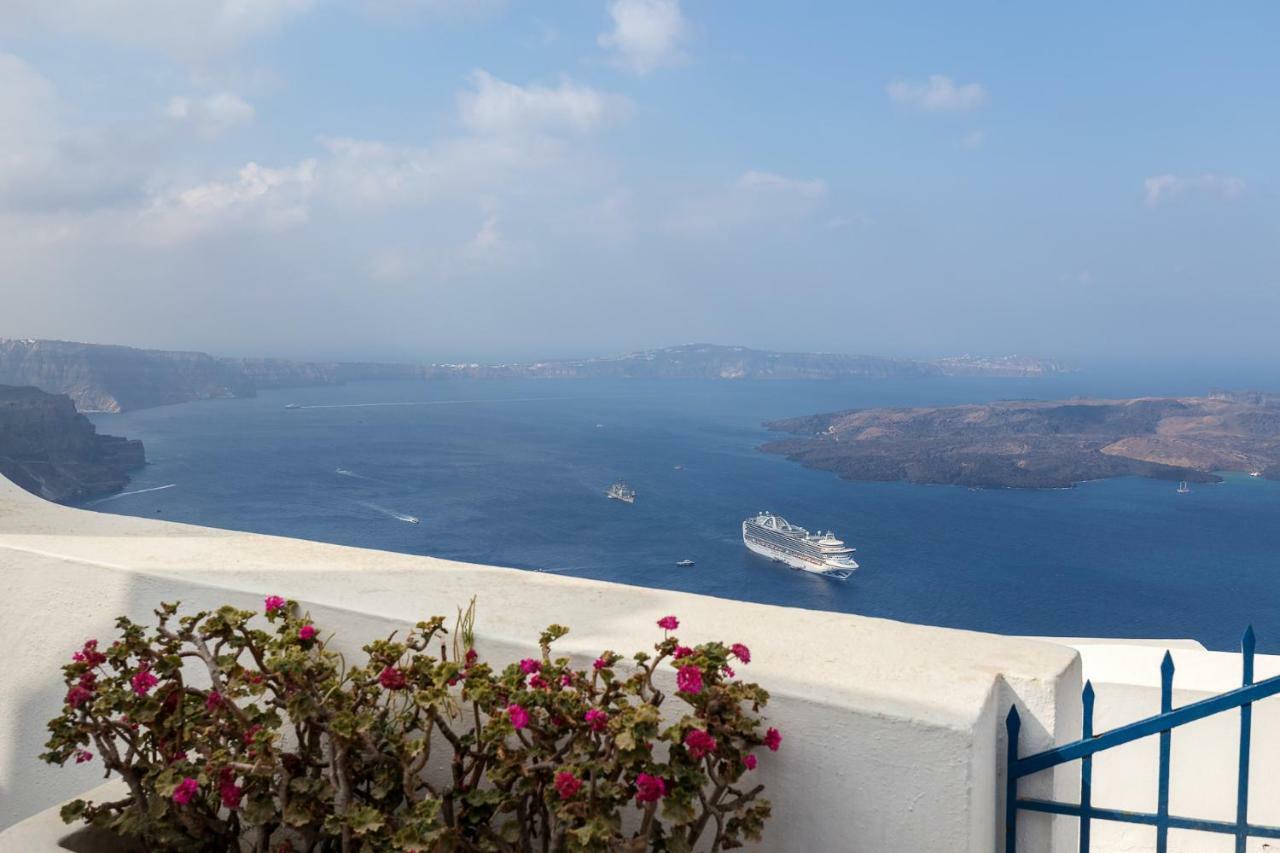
(1161,724)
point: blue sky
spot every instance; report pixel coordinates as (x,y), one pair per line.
(484,179)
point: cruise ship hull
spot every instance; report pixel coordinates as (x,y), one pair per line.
(795,556)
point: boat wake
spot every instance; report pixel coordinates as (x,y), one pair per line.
(398,516)
(431,403)
(119,495)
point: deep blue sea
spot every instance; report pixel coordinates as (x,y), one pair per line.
(514,473)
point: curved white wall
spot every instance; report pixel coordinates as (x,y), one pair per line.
(893,732)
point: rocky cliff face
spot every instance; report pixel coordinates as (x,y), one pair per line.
(50,449)
(1044,444)
(115,379)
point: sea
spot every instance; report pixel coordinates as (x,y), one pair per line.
(514,473)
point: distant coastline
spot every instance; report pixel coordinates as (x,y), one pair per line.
(1043,444)
(101,378)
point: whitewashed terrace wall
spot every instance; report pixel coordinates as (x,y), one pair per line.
(893,732)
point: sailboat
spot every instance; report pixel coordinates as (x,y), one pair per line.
(1183,488)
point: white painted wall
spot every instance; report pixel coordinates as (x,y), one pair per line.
(1203,756)
(893,732)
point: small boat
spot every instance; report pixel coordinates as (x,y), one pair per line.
(684,563)
(620,491)
(1255,473)
(1183,488)
(412,519)
(678,467)
(292,406)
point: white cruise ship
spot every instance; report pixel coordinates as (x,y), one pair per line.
(774,537)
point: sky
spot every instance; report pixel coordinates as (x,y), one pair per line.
(485,180)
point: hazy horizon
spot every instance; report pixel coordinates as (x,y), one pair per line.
(480,180)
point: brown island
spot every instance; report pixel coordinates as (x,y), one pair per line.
(1033,444)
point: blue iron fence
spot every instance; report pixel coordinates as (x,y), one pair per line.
(1161,724)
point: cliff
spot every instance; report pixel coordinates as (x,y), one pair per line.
(1043,444)
(101,378)
(51,450)
(116,379)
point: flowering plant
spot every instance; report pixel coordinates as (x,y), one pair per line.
(269,741)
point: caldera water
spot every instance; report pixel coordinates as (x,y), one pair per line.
(514,473)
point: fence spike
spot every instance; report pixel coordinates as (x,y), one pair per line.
(1086,769)
(1162,790)
(1012,724)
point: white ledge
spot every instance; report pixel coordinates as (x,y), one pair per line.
(893,732)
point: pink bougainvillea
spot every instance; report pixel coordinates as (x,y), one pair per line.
(567,785)
(186,791)
(698,743)
(650,789)
(597,719)
(689,679)
(392,678)
(773,739)
(143,680)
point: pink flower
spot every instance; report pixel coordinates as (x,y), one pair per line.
(537,682)
(186,791)
(699,743)
(78,695)
(251,733)
(649,789)
(749,761)
(471,656)
(598,719)
(668,623)
(89,654)
(567,785)
(142,680)
(741,652)
(728,670)
(392,678)
(689,679)
(272,603)
(518,716)
(566,680)
(228,790)
(600,663)
(307,633)
(83,755)
(213,701)
(773,739)
(682,652)
(529,666)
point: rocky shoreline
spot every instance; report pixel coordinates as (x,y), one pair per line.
(101,378)
(1043,444)
(51,450)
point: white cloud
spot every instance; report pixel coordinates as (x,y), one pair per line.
(646,34)
(26,126)
(939,93)
(754,198)
(258,197)
(210,115)
(185,29)
(1160,189)
(496,106)
(768,182)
